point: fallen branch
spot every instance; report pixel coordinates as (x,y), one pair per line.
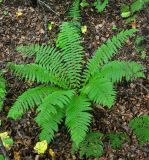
(2,148)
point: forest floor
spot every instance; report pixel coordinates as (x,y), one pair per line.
(132,99)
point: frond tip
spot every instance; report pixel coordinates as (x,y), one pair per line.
(78,118)
(116,70)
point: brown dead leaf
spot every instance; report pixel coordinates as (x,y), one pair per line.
(17,155)
(102,158)
(134,25)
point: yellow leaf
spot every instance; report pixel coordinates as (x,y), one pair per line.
(84,29)
(7,141)
(4,135)
(51,153)
(19,14)
(41,147)
(50,25)
(17,155)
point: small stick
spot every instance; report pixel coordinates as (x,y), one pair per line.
(45,21)
(3,150)
(47,6)
(46,26)
(143,87)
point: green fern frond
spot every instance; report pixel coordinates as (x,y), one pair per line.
(92,146)
(69,41)
(2,91)
(78,118)
(51,59)
(105,52)
(75,10)
(48,111)
(116,70)
(29,99)
(33,72)
(140,126)
(48,57)
(100,90)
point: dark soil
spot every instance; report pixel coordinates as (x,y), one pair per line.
(132,98)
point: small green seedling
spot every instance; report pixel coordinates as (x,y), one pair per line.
(117,139)
(50,26)
(140,126)
(92,146)
(84,3)
(139,43)
(125,11)
(114,27)
(5,12)
(100,6)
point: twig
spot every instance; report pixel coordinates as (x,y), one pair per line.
(45,21)
(46,26)
(47,6)
(143,87)
(3,150)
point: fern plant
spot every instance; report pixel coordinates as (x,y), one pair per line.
(137,5)
(100,6)
(2,90)
(92,146)
(74,11)
(140,126)
(67,84)
(117,139)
